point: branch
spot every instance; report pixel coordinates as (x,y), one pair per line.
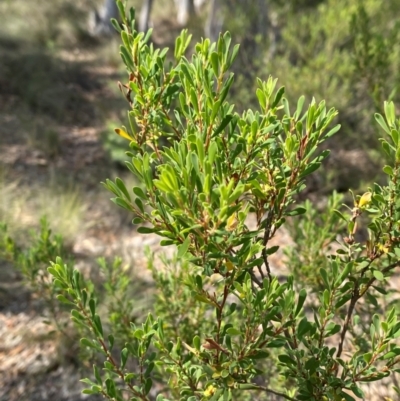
(355,297)
(267,390)
(384,270)
(266,238)
(390,267)
(255,279)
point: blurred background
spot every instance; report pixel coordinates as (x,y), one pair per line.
(60,103)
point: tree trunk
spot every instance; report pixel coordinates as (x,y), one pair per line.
(185,9)
(144,16)
(99,20)
(214,21)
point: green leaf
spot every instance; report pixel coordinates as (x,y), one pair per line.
(387,148)
(343,275)
(78,316)
(285,103)
(149,369)
(340,215)
(299,108)
(127,58)
(286,360)
(146,230)
(390,113)
(147,385)
(110,385)
(260,354)
(122,203)
(227,119)
(53,271)
(296,212)
(216,108)
(194,100)
(333,131)
(239,190)
(312,364)
(214,59)
(325,278)
(124,357)
(233,55)
(121,10)
(378,275)
(139,192)
(92,306)
(200,150)
(332,328)
(203,298)
(272,250)
(116,25)
(304,327)
(182,249)
(357,391)
(278,98)
(326,298)
(233,332)
(64,300)
(395,137)
(139,204)
(381,121)
(111,341)
(310,169)
(196,343)
(97,375)
(87,343)
(262,99)
(300,302)
(125,39)
(388,170)
(98,325)
(347,397)
(367,357)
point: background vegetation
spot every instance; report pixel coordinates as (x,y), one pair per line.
(59,103)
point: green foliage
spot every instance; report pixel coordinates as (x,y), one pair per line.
(122,297)
(204,171)
(315,236)
(32,262)
(183,315)
(347,52)
(114,145)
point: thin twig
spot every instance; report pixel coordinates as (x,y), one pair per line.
(373,279)
(266,238)
(355,297)
(268,390)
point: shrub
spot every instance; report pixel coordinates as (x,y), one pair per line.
(219,186)
(346,52)
(32,261)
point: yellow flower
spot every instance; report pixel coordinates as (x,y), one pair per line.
(365,199)
(232,222)
(209,391)
(383,248)
(229,265)
(123,133)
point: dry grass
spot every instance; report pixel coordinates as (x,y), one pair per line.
(21,208)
